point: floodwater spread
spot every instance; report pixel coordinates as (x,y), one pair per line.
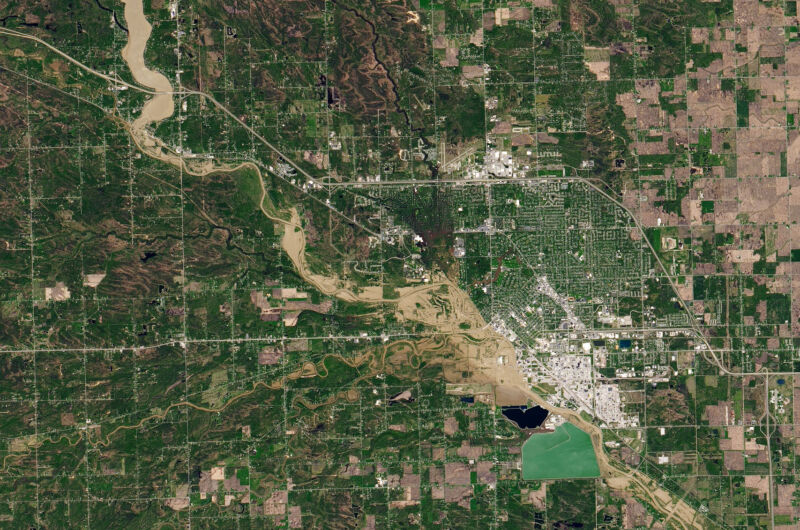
(160,106)
(543,454)
(565,453)
(526,418)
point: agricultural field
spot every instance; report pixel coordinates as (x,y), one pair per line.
(291,263)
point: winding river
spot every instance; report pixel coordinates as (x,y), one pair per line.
(160,106)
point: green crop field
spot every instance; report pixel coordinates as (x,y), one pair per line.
(565,453)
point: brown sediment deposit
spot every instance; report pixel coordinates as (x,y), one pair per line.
(160,106)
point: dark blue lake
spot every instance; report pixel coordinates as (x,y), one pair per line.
(524,417)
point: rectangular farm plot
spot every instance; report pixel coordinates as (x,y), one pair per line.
(565,453)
